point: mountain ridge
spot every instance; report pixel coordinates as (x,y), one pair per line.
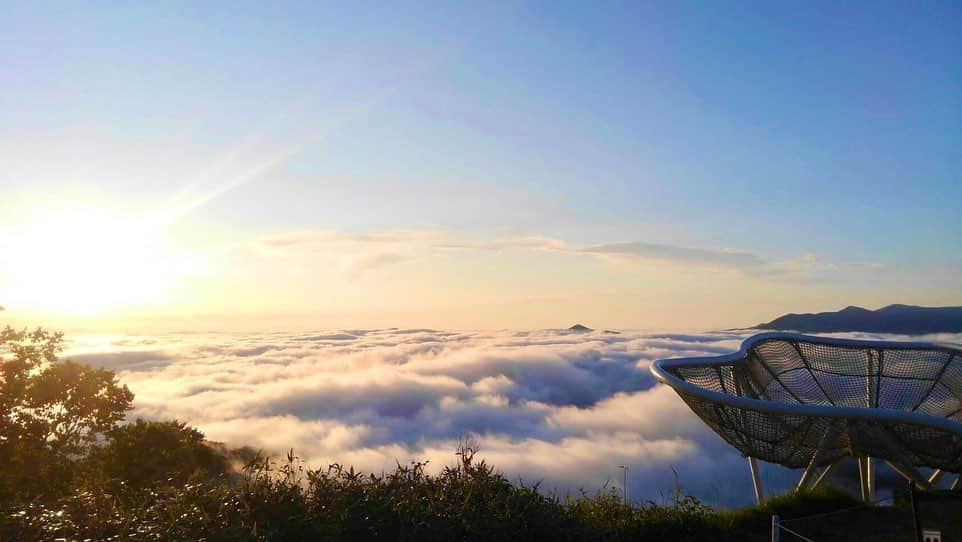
(895,318)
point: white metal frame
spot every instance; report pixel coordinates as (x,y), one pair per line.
(661,370)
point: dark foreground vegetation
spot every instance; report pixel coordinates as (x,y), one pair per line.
(71,470)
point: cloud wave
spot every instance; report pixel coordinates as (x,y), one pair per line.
(554,406)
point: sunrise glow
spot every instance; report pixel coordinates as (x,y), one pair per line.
(82,261)
(303,176)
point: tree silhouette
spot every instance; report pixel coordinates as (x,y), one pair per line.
(51,411)
(143,453)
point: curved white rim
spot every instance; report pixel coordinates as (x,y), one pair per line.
(658,370)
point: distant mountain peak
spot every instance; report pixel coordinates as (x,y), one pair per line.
(903,319)
(898,307)
(579,327)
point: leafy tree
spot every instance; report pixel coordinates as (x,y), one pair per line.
(51,411)
(147,453)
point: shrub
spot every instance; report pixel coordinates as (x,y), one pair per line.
(149,453)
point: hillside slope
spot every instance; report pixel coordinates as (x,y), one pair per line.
(905,319)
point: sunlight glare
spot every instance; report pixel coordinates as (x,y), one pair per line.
(80,261)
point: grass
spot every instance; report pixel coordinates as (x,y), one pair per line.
(281,500)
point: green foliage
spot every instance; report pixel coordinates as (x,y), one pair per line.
(609,518)
(148,453)
(467,501)
(51,412)
(275,501)
(792,505)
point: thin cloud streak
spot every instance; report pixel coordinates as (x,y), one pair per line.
(380,249)
(728,258)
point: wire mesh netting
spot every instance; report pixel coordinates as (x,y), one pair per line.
(807,371)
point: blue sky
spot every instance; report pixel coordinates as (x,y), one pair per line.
(824,130)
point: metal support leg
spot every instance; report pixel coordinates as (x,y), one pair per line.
(822,474)
(863,478)
(817,454)
(756,480)
(910,474)
(805,476)
(870,469)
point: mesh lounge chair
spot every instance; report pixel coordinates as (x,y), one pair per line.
(808,402)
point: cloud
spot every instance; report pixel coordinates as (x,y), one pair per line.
(728,258)
(359,253)
(135,360)
(552,406)
(804,268)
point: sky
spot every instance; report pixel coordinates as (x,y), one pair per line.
(662,165)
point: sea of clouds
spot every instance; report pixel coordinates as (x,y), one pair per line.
(551,406)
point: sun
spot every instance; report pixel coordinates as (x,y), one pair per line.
(80,261)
